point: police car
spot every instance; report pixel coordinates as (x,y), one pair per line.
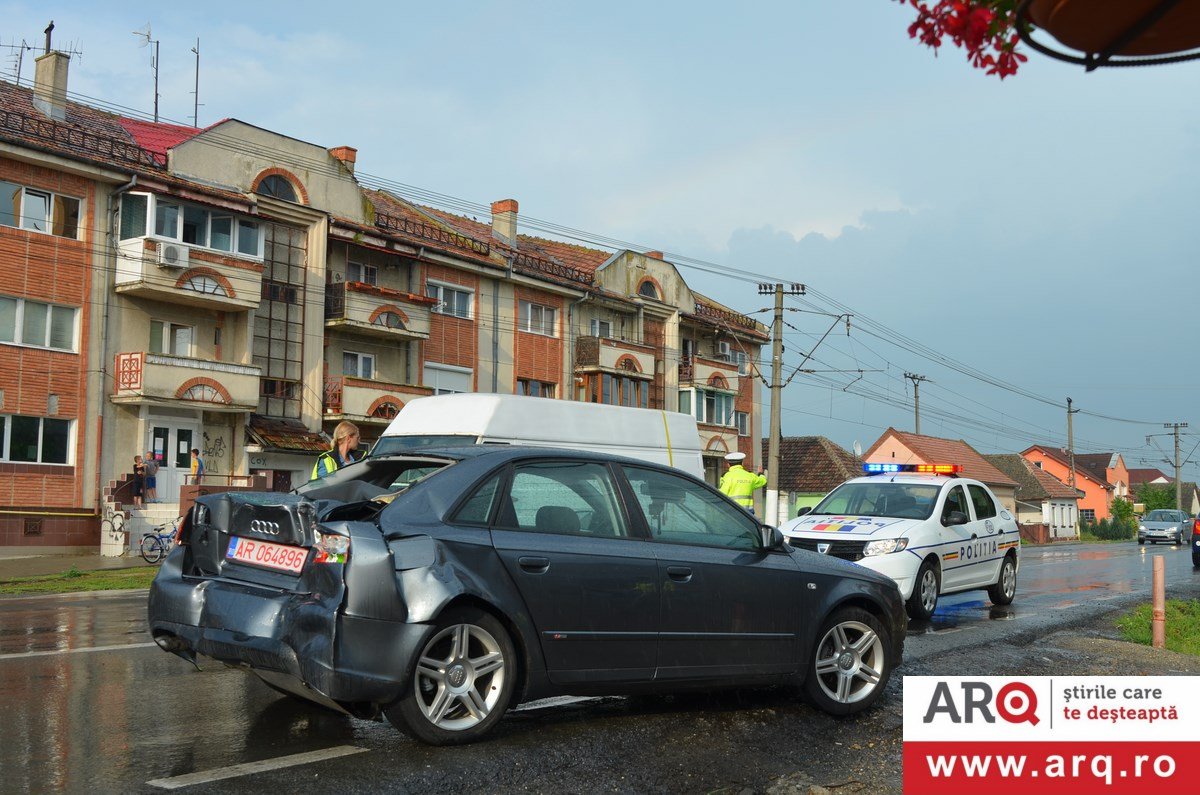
(923,525)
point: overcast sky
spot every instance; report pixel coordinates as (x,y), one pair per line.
(1039,229)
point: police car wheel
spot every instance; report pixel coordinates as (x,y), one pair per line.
(924,599)
(1005,587)
(850,664)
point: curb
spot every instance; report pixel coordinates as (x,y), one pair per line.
(109,594)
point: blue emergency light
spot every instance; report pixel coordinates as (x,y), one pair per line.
(924,469)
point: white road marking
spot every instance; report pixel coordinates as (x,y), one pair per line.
(52,652)
(249,768)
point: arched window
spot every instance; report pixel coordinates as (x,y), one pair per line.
(386,410)
(203,393)
(276,187)
(204,284)
(717,381)
(389,320)
(648,290)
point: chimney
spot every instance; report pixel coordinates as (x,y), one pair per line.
(654,254)
(346,155)
(504,220)
(50,84)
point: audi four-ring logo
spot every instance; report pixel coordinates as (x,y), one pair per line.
(265,527)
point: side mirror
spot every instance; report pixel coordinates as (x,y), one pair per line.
(770,538)
(805,511)
(955,518)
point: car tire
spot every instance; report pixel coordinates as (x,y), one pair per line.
(1196,560)
(1179,539)
(1141,540)
(850,663)
(448,700)
(1005,587)
(924,599)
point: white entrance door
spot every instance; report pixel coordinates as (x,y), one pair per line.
(172,442)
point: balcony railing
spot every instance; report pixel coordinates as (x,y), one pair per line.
(98,147)
(377,311)
(430,232)
(608,353)
(367,400)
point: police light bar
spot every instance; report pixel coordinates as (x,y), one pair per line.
(925,469)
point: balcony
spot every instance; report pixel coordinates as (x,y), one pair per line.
(699,371)
(367,309)
(606,354)
(175,272)
(182,381)
(366,401)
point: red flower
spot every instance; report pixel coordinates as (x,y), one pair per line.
(984,28)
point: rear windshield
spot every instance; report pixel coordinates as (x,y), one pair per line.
(390,445)
(894,500)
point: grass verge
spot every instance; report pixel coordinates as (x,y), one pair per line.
(75,580)
(1182,624)
(1088,538)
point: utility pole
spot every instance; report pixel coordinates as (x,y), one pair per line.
(1178,466)
(916,382)
(1071,440)
(196,93)
(771,510)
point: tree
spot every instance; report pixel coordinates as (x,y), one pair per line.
(1155,495)
(1122,512)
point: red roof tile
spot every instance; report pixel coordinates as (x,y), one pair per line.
(157,137)
(1062,457)
(1033,482)
(813,464)
(933,450)
(1139,476)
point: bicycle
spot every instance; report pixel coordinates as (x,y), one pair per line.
(156,544)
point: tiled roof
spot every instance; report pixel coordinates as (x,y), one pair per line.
(1033,482)
(933,450)
(1139,476)
(157,138)
(285,435)
(1096,463)
(1061,456)
(813,464)
(710,310)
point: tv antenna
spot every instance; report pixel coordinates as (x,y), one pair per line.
(18,50)
(147,40)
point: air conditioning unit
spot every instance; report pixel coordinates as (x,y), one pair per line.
(724,351)
(172,255)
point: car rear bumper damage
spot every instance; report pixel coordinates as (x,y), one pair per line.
(301,642)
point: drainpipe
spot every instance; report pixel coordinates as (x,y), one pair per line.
(571,341)
(508,272)
(110,281)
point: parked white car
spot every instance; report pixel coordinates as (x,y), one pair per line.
(932,533)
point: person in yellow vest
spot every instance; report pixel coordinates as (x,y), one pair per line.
(345,442)
(739,483)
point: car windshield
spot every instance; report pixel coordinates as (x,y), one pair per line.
(895,500)
(1162,516)
(390,445)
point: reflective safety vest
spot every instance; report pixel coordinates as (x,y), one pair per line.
(739,484)
(330,461)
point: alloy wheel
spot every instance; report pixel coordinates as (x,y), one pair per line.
(929,588)
(1008,579)
(460,677)
(849,662)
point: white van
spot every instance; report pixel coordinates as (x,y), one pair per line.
(662,437)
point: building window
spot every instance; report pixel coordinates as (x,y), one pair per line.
(709,406)
(601,328)
(450,300)
(38,210)
(278,344)
(387,410)
(359,272)
(36,324)
(35,440)
(190,224)
(617,390)
(647,290)
(742,360)
(538,319)
(203,393)
(446,379)
(204,284)
(526,386)
(170,338)
(743,423)
(358,365)
(388,320)
(1087,515)
(276,187)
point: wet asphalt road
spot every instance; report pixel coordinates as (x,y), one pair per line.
(90,705)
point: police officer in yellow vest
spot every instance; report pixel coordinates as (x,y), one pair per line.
(345,442)
(739,483)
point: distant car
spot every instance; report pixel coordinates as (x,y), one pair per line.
(1165,524)
(506,574)
(932,533)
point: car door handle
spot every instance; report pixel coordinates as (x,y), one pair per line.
(534,565)
(679,573)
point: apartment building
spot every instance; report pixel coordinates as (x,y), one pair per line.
(239,291)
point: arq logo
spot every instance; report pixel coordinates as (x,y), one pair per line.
(1016,702)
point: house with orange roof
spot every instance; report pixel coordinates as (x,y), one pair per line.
(1047,509)
(1091,481)
(899,447)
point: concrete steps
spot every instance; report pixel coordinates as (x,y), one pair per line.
(146,518)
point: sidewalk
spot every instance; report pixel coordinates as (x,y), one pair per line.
(40,565)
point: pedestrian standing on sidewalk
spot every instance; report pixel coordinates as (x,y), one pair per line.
(197,467)
(151,477)
(139,480)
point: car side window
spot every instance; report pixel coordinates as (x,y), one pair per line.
(478,506)
(564,498)
(680,511)
(985,508)
(956,500)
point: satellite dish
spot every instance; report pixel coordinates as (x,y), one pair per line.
(857,449)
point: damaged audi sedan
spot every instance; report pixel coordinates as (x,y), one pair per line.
(439,588)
